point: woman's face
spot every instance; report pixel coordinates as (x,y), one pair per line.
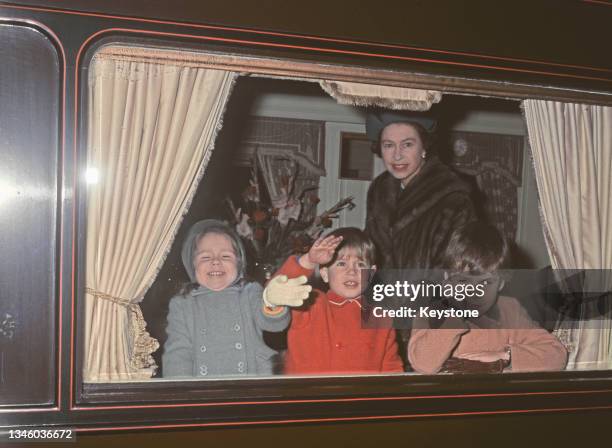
(402,151)
(215,262)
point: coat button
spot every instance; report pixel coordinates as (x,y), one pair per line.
(236,327)
(241,367)
(203,370)
(203,331)
(203,348)
(238,346)
(338,345)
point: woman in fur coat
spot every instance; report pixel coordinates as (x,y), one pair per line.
(413,207)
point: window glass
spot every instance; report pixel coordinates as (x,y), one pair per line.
(251,196)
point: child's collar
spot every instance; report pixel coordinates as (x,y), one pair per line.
(338,300)
(201,289)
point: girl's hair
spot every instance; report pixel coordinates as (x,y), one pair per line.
(427,138)
(476,247)
(356,239)
(196,233)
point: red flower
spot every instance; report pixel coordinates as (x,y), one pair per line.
(259,234)
(259,216)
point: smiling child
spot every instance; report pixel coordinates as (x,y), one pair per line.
(326,334)
(215,326)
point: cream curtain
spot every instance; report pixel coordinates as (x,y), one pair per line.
(572,153)
(151,131)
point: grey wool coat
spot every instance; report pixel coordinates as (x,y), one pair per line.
(219,333)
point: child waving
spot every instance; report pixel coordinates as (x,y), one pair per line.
(326,334)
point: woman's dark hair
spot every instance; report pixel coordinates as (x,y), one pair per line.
(427,138)
(477,248)
(356,239)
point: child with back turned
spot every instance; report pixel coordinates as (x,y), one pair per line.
(325,335)
(503,334)
(215,327)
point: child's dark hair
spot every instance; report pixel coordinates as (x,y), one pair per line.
(356,239)
(477,248)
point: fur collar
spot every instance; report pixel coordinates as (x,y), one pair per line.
(433,183)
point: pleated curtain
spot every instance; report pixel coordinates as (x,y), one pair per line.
(572,155)
(151,131)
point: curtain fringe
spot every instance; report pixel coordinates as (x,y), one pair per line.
(142,345)
(398,98)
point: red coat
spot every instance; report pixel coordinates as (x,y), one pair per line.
(325,336)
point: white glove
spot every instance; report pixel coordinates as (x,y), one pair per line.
(285,291)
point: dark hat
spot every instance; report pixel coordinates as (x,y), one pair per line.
(377,121)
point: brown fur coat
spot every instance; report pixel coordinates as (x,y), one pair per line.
(411,227)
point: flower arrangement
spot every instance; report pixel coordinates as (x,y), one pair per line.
(272,230)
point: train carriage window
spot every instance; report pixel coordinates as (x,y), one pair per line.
(171,142)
